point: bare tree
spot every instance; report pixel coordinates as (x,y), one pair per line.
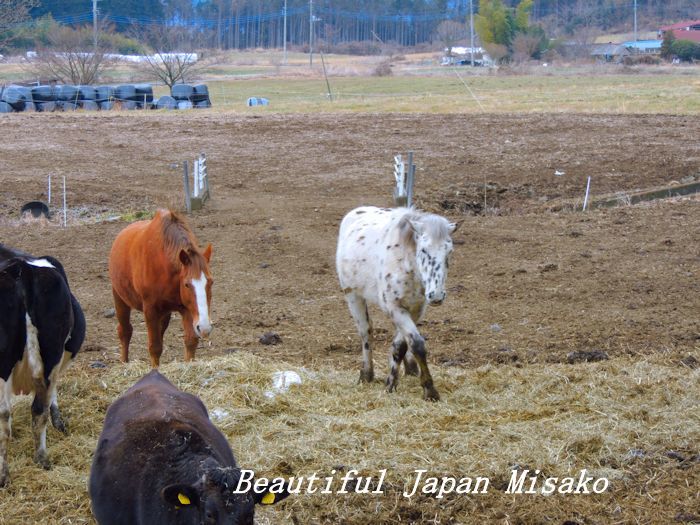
(583,39)
(173,59)
(13,12)
(525,46)
(72,56)
(449,33)
(497,52)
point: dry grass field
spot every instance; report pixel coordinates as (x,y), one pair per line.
(533,280)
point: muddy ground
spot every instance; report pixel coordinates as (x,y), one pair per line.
(526,283)
(532,279)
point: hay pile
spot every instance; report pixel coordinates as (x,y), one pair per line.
(633,421)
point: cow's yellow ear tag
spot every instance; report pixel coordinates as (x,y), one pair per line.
(268,499)
(183,499)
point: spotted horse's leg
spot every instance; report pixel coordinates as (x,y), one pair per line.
(416,343)
(358,309)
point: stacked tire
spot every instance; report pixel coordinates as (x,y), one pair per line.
(44,98)
(166,102)
(188,96)
(104,96)
(67,98)
(87,98)
(15,98)
(125,96)
(200,99)
(144,95)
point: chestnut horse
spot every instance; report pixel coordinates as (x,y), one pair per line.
(156,267)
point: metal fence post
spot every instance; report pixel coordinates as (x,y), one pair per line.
(409,180)
(203,165)
(400,197)
(186,178)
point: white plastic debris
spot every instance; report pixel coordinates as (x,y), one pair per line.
(559,173)
(218,414)
(208,380)
(281,381)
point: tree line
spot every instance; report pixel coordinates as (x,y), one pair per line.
(239,24)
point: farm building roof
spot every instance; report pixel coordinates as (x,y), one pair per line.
(688,25)
(609,50)
(693,36)
(643,45)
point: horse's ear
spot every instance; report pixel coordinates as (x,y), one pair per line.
(417,227)
(454,226)
(207,253)
(185,258)
(407,231)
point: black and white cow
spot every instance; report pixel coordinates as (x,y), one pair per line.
(161,461)
(41,330)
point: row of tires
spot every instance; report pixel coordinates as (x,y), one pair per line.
(126,96)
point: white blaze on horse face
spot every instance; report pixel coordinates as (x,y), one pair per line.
(202,325)
(432,259)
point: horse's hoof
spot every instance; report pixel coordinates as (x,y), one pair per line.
(366,376)
(4,476)
(42,459)
(430,394)
(57,420)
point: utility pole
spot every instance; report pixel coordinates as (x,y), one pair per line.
(635,20)
(311,33)
(471,30)
(284,38)
(94,23)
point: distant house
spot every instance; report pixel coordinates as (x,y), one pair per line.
(609,52)
(689,30)
(461,56)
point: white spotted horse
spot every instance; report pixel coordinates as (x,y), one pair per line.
(396,259)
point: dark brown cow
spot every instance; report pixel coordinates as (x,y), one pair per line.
(160,460)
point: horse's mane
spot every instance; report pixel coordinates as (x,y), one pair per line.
(177,236)
(435,226)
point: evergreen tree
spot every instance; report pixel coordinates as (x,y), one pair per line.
(667,45)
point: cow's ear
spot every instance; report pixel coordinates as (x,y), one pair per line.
(207,252)
(271,493)
(180,495)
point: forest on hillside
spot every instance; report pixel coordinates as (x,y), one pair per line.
(236,24)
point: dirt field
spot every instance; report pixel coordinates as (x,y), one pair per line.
(531,279)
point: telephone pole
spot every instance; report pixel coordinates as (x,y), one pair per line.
(284,38)
(94,23)
(311,33)
(471,30)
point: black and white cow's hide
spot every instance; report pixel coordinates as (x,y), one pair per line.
(41,330)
